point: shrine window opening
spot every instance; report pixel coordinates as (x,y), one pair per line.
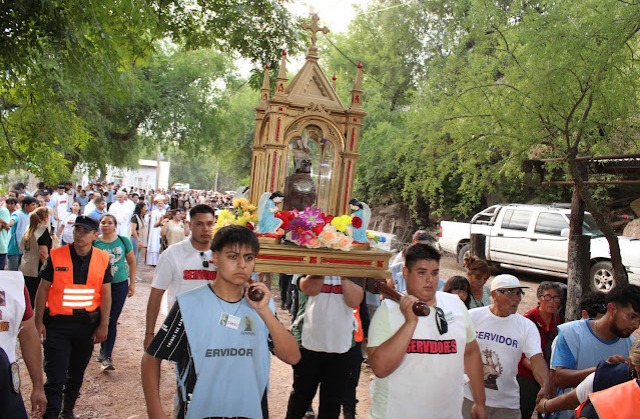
(312,156)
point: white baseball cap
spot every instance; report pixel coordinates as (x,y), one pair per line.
(506,281)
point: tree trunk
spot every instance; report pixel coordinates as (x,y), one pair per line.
(578,259)
(619,271)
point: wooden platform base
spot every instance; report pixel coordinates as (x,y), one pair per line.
(279,258)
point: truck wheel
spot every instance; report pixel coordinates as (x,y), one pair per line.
(462,253)
(602,276)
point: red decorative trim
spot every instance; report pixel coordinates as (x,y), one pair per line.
(346,188)
(355,119)
(280,109)
(273,172)
(346,261)
(313,260)
(253,174)
(277,257)
(353,138)
(278,131)
(380,264)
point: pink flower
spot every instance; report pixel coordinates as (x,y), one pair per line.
(344,243)
(328,236)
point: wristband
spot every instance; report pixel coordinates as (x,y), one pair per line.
(544,406)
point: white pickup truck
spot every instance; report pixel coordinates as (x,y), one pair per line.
(535,238)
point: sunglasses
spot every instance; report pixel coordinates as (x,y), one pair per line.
(205,261)
(511,292)
(441,321)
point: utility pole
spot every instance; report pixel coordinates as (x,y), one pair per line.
(157,167)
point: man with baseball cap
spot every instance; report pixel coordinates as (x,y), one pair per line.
(72,313)
(503,336)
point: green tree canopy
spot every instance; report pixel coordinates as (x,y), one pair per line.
(73,72)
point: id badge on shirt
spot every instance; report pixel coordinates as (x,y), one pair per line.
(230,321)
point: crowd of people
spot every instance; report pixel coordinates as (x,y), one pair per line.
(471,356)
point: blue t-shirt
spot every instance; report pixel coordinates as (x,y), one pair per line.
(20,223)
(578,348)
(4,234)
(95,214)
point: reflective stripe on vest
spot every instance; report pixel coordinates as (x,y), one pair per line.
(64,295)
(77,297)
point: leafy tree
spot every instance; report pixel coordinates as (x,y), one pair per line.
(390,48)
(523,80)
(69,84)
(230,157)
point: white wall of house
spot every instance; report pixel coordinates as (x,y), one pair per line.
(143,177)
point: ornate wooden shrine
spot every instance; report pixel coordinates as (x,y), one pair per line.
(305,121)
(305,135)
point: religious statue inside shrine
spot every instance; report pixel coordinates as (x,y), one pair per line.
(308,183)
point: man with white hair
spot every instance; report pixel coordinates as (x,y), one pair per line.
(123,211)
(504,336)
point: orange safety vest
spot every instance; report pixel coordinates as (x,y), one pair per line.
(64,295)
(617,402)
(358,334)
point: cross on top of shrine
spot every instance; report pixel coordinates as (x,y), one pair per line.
(314,28)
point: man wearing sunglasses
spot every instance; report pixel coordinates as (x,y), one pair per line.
(582,344)
(420,362)
(182,267)
(504,336)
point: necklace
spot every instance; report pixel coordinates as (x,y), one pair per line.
(222,308)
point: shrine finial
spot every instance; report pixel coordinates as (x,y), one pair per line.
(282,75)
(356,92)
(266,87)
(314,28)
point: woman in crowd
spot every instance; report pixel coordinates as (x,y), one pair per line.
(546,318)
(460,286)
(66,232)
(139,229)
(174,228)
(35,244)
(186,206)
(478,273)
(119,249)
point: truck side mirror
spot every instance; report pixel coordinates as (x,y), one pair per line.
(564,232)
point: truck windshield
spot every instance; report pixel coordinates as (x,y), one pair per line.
(590,228)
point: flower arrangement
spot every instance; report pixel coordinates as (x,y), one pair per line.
(312,228)
(241,213)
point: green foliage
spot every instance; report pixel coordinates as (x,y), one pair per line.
(522,84)
(229,159)
(463,92)
(77,76)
